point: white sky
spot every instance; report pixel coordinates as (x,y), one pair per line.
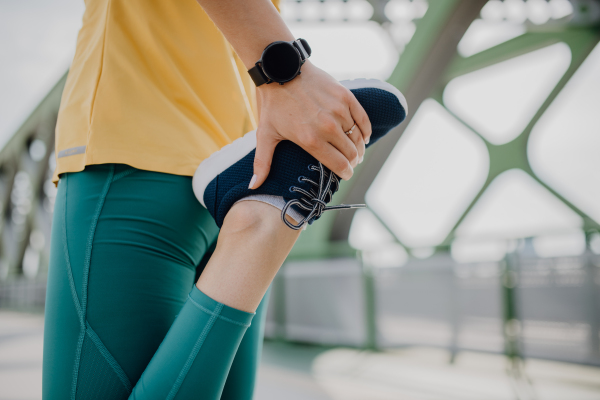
(439,164)
(37,45)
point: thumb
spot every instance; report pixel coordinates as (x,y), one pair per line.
(265,147)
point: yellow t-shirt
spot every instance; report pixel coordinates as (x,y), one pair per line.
(153,84)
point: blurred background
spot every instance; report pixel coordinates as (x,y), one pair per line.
(474,272)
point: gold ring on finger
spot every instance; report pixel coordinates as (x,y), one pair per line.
(351,129)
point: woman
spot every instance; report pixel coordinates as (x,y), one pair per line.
(154,89)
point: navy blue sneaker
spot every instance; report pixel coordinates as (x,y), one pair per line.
(304,183)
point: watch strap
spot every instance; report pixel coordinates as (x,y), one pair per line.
(257,75)
(303,47)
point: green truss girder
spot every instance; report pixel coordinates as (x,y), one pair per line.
(39,125)
(511,155)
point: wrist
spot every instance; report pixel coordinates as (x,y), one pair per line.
(307,70)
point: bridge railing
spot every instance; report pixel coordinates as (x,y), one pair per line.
(522,306)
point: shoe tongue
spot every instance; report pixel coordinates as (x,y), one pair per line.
(290,164)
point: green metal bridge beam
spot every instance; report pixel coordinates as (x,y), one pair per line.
(577,39)
(420,67)
(14,157)
(513,154)
(424,70)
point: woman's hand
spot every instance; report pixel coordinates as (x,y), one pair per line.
(314,111)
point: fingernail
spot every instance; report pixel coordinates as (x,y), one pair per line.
(368,140)
(351,172)
(361,159)
(252,181)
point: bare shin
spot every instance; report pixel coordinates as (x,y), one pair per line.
(252,245)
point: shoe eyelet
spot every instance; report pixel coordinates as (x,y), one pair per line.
(291,189)
(310,167)
(301,179)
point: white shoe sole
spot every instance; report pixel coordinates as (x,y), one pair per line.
(222,159)
(219,161)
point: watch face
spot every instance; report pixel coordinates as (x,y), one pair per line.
(281,61)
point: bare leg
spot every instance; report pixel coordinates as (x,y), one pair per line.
(252,245)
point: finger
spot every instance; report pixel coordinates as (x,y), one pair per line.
(266,141)
(346,146)
(357,138)
(360,117)
(333,159)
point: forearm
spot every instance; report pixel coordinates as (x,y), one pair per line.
(249,25)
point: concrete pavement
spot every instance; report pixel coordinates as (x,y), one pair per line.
(303,372)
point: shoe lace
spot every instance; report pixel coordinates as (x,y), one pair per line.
(315,200)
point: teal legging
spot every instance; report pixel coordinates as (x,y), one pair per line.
(123,317)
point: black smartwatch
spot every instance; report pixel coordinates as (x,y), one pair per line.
(280,62)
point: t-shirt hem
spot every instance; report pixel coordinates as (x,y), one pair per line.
(149,163)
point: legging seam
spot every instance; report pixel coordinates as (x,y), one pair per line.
(68,260)
(74,297)
(123,174)
(86,270)
(109,358)
(194,352)
(88,247)
(206,310)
